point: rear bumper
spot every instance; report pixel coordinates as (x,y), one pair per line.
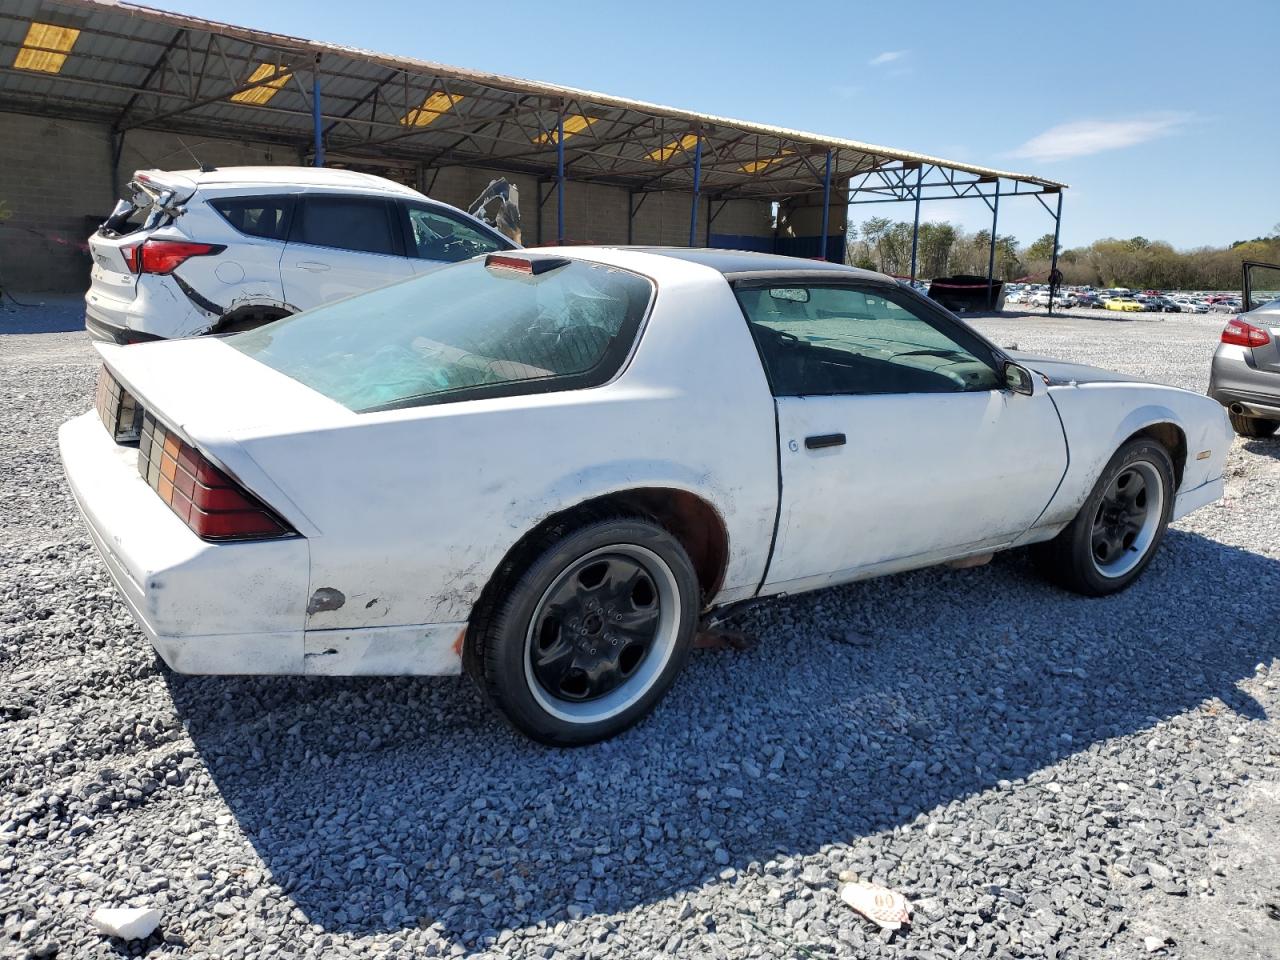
(235,608)
(159,310)
(224,608)
(1233,379)
(100,329)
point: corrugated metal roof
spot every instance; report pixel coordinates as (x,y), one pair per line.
(135,66)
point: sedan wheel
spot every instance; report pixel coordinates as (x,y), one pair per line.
(581,633)
(1252,427)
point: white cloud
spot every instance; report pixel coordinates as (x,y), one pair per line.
(888,56)
(1081,138)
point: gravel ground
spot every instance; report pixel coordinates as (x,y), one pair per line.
(1044,776)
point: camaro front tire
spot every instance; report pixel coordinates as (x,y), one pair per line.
(583,632)
(1117,531)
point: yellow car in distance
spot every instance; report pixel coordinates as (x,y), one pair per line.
(1127,304)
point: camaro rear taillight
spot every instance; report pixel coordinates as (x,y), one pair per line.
(212,504)
(117,408)
(1245,334)
(164,256)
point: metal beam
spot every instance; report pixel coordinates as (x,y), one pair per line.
(991,259)
(146,81)
(1053,261)
(697,196)
(826,204)
(915,229)
(560,176)
(282,70)
(317,130)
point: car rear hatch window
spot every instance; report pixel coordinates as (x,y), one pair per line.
(501,325)
(152,200)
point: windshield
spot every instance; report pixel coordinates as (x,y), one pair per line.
(461,332)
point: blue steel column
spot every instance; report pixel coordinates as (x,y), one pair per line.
(991,260)
(560,177)
(826,205)
(1053,261)
(915,230)
(315,114)
(697,187)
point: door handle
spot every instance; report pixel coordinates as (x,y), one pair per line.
(314,266)
(821,440)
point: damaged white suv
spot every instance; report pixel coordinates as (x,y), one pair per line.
(212,251)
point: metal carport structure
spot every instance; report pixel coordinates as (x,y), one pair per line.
(136,68)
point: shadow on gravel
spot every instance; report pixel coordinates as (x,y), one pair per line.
(52,313)
(380,804)
(1269,447)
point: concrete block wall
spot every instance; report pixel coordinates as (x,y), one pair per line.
(52,175)
(55,175)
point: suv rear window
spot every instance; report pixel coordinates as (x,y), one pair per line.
(461,332)
(266,217)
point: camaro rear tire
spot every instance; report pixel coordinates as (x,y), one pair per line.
(1253,427)
(582,633)
(1116,533)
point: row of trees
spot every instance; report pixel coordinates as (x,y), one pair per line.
(945,249)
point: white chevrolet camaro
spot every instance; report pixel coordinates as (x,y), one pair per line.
(548,467)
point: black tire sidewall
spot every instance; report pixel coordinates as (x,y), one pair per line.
(1082,528)
(502,662)
(1253,428)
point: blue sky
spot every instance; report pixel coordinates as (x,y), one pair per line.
(1161,114)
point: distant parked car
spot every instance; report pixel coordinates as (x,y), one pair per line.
(1125,304)
(1225,306)
(1088,299)
(213,251)
(1186,305)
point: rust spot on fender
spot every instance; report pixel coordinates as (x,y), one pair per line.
(457,644)
(326,598)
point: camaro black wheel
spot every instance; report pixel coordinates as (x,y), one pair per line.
(1255,427)
(1115,534)
(581,636)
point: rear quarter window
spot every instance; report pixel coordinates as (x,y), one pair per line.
(461,332)
(266,217)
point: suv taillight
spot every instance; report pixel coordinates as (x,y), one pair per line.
(164,256)
(1244,334)
(208,501)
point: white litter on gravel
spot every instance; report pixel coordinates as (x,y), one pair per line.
(127,923)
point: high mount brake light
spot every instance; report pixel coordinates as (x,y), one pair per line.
(533,266)
(1244,334)
(164,256)
(208,501)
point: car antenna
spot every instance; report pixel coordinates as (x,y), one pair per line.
(203,167)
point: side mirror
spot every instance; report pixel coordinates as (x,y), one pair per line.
(1018,378)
